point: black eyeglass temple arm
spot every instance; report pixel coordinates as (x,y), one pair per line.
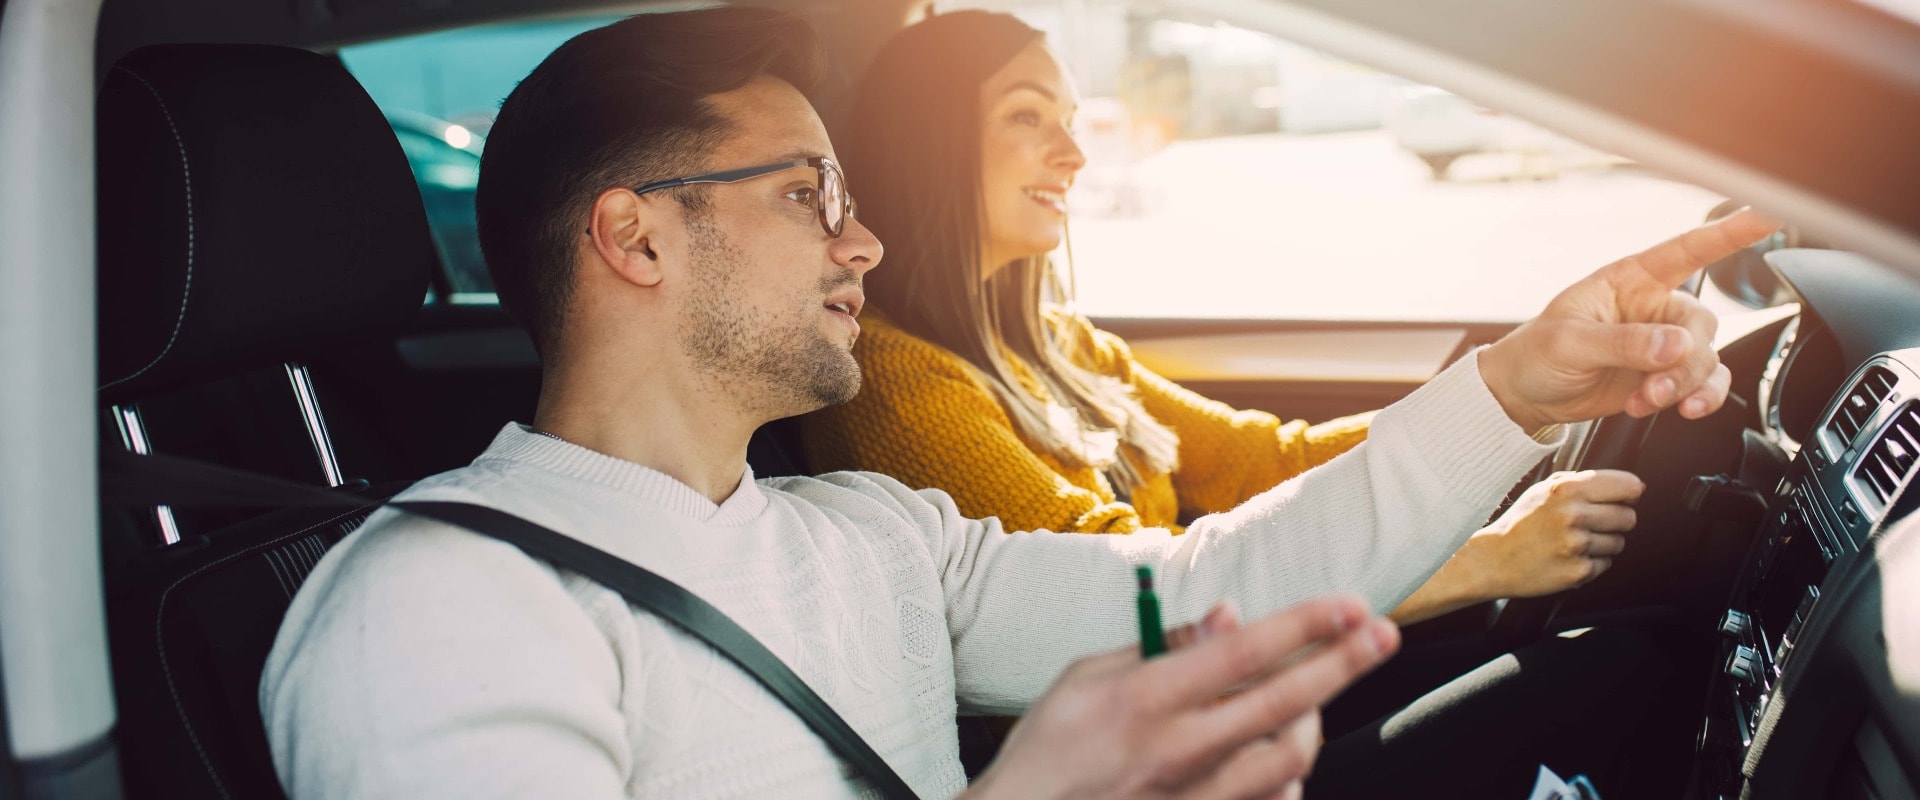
(728,176)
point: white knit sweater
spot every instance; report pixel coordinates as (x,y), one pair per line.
(422,661)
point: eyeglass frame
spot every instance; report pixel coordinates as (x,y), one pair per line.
(820,165)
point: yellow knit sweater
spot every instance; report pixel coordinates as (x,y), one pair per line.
(925,418)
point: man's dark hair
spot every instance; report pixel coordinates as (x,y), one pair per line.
(622,105)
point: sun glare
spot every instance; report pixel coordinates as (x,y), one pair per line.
(458,136)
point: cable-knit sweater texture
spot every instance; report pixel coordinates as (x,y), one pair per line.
(423,661)
(926,418)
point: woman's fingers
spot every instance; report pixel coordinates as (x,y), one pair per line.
(1605,517)
(1602,485)
(1602,544)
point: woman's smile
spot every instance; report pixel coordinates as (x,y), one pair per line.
(1051,196)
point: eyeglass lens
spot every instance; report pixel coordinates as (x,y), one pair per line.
(833,199)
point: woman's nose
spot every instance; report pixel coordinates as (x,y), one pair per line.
(1067,152)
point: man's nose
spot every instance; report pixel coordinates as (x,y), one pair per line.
(857,248)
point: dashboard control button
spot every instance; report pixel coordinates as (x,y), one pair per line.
(1735,625)
(1743,665)
(1726,498)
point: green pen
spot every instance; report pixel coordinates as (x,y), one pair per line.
(1153,638)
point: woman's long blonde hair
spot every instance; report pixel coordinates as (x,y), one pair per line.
(913,158)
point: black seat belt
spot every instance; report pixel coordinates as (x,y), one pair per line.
(137,480)
(669,601)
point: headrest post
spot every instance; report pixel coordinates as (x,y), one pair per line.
(133,435)
(303,393)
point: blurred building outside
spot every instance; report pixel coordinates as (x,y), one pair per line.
(1230,173)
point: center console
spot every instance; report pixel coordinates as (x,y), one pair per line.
(1819,515)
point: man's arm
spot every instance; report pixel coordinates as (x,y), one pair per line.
(1378,520)
(426,662)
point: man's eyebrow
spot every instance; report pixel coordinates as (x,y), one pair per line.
(799,154)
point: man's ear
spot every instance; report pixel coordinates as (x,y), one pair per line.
(622,227)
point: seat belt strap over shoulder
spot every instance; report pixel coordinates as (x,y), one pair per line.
(669,601)
(140,480)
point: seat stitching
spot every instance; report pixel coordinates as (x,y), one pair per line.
(304,548)
(296,562)
(186,180)
(283,554)
(268,557)
(315,552)
(319,551)
(284,558)
(279,555)
(289,554)
(296,556)
(159,636)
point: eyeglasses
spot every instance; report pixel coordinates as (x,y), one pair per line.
(832,202)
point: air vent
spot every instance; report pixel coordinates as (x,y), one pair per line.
(1859,405)
(1890,460)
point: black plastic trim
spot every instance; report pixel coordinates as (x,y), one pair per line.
(9,770)
(90,771)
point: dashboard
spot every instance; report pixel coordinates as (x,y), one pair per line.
(1789,711)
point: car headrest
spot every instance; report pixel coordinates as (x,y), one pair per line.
(254,206)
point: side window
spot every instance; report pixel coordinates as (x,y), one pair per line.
(1234,174)
(440,92)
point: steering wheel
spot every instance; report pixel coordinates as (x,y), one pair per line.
(1610,443)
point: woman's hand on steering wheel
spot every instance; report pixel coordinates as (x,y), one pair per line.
(1559,534)
(1563,532)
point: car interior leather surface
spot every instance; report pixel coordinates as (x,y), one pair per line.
(256,210)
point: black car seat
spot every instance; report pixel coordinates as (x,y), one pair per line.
(255,211)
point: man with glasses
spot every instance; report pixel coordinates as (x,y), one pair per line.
(674,315)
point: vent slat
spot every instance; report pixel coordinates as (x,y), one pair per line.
(1884,477)
(1883,467)
(1860,403)
(1909,430)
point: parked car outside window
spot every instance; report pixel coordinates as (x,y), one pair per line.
(441,91)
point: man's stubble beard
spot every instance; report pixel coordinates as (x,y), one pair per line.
(779,367)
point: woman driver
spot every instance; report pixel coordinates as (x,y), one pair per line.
(960,148)
(961,151)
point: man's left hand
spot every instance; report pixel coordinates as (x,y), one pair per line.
(1624,338)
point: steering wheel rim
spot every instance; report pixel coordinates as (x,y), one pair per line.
(1611,443)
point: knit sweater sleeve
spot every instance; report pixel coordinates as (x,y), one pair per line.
(1226,455)
(925,419)
(1376,521)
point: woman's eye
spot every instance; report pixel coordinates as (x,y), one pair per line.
(807,196)
(1030,118)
